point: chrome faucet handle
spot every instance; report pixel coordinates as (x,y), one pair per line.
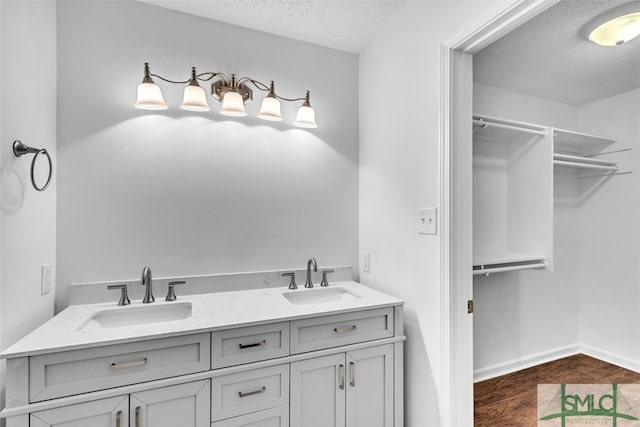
(124,298)
(325,282)
(292,282)
(171,294)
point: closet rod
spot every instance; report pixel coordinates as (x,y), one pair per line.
(487,271)
(482,124)
(580,159)
(585,165)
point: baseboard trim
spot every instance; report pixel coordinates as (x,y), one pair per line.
(514,365)
(614,359)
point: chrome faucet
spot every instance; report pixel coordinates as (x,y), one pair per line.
(146,282)
(312,261)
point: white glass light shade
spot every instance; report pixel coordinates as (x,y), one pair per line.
(150,97)
(194,99)
(233,105)
(617,31)
(616,26)
(270,109)
(306,118)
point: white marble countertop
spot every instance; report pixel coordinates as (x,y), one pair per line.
(213,311)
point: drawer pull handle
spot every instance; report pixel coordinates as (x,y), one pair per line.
(129,364)
(251,393)
(352,374)
(341,376)
(137,416)
(345,329)
(255,344)
(118,417)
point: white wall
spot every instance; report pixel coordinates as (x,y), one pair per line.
(523,315)
(191,193)
(609,238)
(497,102)
(399,173)
(27,217)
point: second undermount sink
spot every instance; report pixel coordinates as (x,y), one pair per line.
(320,295)
(139,315)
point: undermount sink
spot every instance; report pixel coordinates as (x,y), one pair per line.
(320,295)
(139,315)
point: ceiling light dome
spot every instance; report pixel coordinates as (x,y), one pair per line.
(616,26)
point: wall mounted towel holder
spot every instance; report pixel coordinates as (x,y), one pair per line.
(20,149)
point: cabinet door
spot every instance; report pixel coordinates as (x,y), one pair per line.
(318,392)
(370,387)
(112,412)
(183,405)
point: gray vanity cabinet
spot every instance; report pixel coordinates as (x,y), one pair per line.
(352,389)
(182,405)
(342,369)
(98,413)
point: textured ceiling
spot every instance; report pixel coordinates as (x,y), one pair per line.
(547,57)
(340,24)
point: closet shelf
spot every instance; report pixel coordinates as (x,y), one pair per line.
(504,131)
(578,142)
(498,263)
(487,270)
(560,159)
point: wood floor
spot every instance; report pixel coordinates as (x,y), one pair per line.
(511,400)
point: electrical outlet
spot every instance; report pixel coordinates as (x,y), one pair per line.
(366,262)
(45,279)
(427,221)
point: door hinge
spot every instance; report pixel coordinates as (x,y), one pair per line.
(470,306)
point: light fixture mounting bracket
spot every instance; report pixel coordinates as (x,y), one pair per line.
(219,88)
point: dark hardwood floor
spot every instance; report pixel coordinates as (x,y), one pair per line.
(511,400)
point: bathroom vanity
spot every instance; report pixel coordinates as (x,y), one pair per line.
(328,356)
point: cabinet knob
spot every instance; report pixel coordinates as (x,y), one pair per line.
(137,417)
(352,374)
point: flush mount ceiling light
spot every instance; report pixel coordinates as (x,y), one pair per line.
(616,26)
(231,92)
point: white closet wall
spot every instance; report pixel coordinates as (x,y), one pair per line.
(609,238)
(526,317)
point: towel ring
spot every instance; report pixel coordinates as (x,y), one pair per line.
(20,149)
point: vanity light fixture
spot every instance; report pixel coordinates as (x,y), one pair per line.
(616,26)
(231,92)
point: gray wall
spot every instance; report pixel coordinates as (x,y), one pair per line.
(197,193)
(27,217)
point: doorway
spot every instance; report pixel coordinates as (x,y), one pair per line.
(457,195)
(456,191)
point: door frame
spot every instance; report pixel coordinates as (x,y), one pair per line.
(456,102)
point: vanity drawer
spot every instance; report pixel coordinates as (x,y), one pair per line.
(275,417)
(80,371)
(342,329)
(251,344)
(249,391)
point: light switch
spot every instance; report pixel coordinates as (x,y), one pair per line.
(366,262)
(427,221)
(45,279)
